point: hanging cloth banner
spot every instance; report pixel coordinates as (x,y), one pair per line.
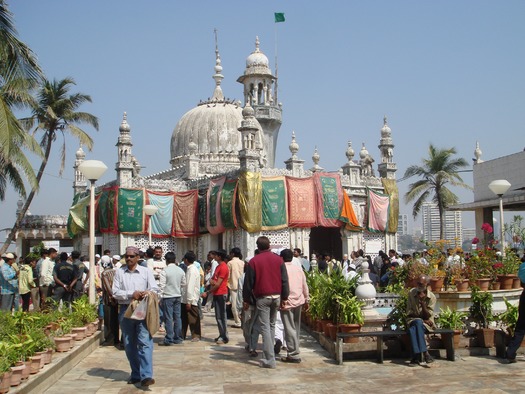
(186,214)
(302,205)
(348,215)
(329,199)
(390,186)
(77,220)
(214,221)
(130,204)
(250,200)
(203,200)
(377,212)
(228,197)
(107,212)
(274,203)
(162,222)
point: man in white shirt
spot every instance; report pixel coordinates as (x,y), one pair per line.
(190,299)
(236,267)
(46,275)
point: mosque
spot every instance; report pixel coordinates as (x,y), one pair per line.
(223,188)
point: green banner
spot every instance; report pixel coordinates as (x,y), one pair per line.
(213,203)
(228,204)
(202,213)
(273,204)
(130,204)
(103,219)
(279,17)
(330,197)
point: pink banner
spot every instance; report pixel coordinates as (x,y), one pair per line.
(302,206)
(377,215)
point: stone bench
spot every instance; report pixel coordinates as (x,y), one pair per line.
(448,341)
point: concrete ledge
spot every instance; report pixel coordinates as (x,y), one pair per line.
(61,363)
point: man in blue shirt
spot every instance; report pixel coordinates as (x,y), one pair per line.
(134,282)
(8,282)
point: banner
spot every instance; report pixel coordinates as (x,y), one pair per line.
(214,222)
(228,197)
(250,200)
(162,222)
(186,214)
(203,213)
(274,203)
(302,206)
(107,212)
(130,204)
(348,215)
(77,220)
(377,212)
(390,186)
(329,199)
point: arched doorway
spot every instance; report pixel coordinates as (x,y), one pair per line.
(326,240)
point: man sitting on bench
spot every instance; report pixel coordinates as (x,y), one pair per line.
(420,319)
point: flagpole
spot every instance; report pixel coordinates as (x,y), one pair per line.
(276,68)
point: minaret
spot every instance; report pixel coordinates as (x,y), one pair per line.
(125,165)
(387,168)
(80,184)
(258,82)
(250,154)
(294,164)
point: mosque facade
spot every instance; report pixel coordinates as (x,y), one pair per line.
(223,142)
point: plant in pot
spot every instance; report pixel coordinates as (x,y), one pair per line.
(5,366)
(452,320)
(349,315)
(480,311)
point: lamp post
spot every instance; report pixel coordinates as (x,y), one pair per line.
(150,210)
(500,187)
(92,170)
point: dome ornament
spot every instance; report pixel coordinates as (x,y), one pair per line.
(294,146)
(350,152)
(124,126)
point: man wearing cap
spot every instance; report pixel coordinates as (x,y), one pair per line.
(8,282)
(134,282)
(116,261)
(420,319)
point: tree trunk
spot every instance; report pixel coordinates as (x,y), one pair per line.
(29,199)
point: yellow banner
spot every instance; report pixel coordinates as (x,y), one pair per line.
(250,201)
(390,186)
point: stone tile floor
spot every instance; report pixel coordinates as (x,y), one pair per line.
(205,367)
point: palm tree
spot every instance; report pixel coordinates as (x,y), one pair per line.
(438,170)
(19,73)
(54,112)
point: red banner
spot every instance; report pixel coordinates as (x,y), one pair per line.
(186,214)
(302,205)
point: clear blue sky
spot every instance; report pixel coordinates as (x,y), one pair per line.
(449,73)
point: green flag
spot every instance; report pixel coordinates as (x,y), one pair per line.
(279,17)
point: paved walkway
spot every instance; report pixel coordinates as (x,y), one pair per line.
(205,367)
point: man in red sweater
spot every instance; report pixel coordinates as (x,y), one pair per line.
(267,280)
(219,289)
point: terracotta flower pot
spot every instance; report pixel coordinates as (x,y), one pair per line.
(26,370)
(35,364)
(43,356)
(80,331)
(436,284)
(483,284)
(332,331)
(49,354)
(17,373)
(72,338)
(506,281)
(461,285)
(350,328)
(62,343)
(5,382)
(485,337)
(516,284)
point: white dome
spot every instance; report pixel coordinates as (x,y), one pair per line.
(257,62)
(213,127)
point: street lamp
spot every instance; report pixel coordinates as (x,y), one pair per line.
(150,210)
(92,170)
(500,187)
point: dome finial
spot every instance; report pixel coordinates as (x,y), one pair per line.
(124,126)
(218,77)
(294,146)
(257,44)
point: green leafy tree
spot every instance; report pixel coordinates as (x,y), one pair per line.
(55,112)
(19,73)
(438,171)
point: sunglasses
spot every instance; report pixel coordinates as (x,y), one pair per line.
(130,256)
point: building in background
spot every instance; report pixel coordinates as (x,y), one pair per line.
(469,234)
(402,224)
(453,224)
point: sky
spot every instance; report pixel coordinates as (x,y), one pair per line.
(447,73)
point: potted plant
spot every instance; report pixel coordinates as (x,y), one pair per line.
(452,320)
(480,311)
(349,316)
